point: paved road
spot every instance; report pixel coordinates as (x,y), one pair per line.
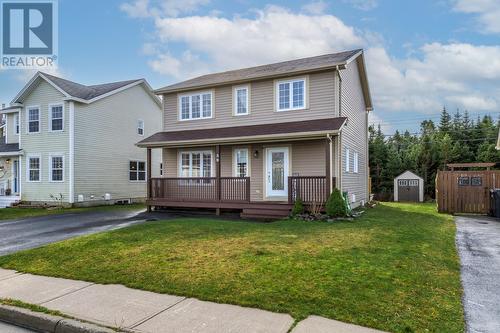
(478,241)
(6,328)
(32,232)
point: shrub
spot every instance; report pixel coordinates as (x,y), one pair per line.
(335,205)
(298,207)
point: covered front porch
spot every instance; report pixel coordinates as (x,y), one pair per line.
(10,171)
(261,177)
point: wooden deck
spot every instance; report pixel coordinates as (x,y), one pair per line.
(231,193)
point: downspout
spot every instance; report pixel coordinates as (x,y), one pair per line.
(338,164)
(71,152)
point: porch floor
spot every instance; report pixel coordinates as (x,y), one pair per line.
(251,210)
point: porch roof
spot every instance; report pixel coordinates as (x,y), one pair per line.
(238,134)
(8,148)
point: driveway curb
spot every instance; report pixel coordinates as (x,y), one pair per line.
(46,323)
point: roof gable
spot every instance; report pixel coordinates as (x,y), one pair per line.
(79,92)
(407,174)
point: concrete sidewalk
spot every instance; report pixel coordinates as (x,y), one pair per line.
(141,311)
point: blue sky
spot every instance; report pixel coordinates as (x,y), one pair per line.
(421,55)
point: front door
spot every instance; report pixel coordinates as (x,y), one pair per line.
(15,176)
(277,172)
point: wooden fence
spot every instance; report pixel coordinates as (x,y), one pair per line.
(465,191)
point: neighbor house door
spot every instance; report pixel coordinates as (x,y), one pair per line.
(15,176)
(277,165)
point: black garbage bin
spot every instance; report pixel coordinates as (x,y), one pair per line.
(495,202)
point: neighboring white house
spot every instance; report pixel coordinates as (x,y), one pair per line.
(408,187)
(76,144)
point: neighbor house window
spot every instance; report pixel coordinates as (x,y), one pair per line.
(355,167)
(240,101)
(347,158)
(56,172)
(195,164)
(197,106)
(137,171)
(241,163)
(56,118)
(16,123)
(291,95)
(33,167)
(140,127)
(33,120)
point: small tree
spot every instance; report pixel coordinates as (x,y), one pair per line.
(335,205)
(298,207)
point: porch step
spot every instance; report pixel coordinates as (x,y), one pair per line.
(8,201)
(266,213)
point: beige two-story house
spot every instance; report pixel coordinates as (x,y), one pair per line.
(256,139)
(74,144)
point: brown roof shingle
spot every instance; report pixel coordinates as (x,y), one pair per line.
(241,132)
(281,68)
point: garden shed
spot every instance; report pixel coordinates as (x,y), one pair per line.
(408,187)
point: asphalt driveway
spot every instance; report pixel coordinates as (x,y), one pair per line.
(32,232)
(478,242)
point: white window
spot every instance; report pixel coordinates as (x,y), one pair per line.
(195,164)
(197,106)
(33,117)
(137,171)
(347,159)
(33,167)
(56,168)
(16,123)
(140,127)
(291,95)
(241,163)
(241,101)
(56,118)
(355,167)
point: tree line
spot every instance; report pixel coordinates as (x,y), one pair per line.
(454,139)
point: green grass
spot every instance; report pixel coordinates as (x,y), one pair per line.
(395,268)
(17,213)
(32,307)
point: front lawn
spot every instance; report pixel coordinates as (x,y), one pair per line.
(17,213)
(395,268)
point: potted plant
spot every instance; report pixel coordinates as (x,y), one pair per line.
(8,192)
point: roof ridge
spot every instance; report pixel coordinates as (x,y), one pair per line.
(271,69)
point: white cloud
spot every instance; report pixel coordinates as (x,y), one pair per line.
(315,8)
(156,8)
(363,4)
(272,35)
(488,12)
(430,76)
(375,120)
(444,73)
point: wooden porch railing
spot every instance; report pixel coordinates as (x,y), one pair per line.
(311,189)
(206,189)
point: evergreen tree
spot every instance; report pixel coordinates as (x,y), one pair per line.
(445,122)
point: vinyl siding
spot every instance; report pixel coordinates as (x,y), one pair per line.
(322,100)
(354,135)
(11,136)
(307,159)
(44,144)
(105,138)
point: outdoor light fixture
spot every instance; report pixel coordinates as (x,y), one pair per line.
(217,158)
(256,154)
